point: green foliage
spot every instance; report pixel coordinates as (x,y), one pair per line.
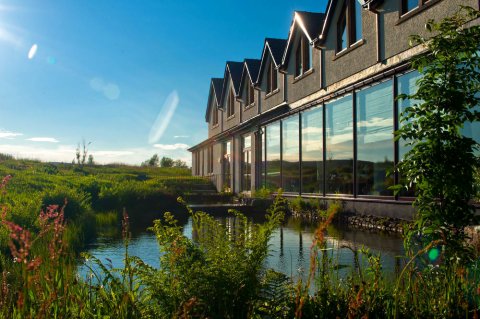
(166,162)
(154,161)
(218,275)
(442,161)
(263,193)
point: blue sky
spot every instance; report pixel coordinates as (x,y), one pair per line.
(131,77)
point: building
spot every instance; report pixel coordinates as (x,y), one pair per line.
(315,115)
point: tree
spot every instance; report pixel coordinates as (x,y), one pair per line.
(442,160)
(90,160)
(152,162)
(180,164)
(166,162)
(81,153)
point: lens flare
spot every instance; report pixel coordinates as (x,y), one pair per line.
(433,254)
(32,51)
(164,117)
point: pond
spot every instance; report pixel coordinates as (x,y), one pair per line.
(290,245)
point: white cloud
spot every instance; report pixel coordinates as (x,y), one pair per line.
(43,139)
(181,136)
(164,117)
(171,147)
(9,135)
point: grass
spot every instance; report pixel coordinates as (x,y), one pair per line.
(90,192)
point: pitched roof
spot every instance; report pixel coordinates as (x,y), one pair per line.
(215,94)
(311,23)
(251,67)
(273,48)
(277,47)
(235,70)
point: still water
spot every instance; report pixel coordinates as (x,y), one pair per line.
(290,246)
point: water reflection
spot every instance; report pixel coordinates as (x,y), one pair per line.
(290,246)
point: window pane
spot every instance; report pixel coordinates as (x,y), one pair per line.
(339,146)
(472,129)
(406,85)
(262,156)
(298,60)
(342,33)
(246,163)
(408,5)
(227,160)
(312,151)
(358,21)
(375,139)
(290,161)
(273,156)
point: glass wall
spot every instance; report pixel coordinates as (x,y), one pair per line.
(339,146)
(406,84)
(375,145)
(247,163)
(227,162)
(261,149)
(312,150)
(291,154)
(272,153)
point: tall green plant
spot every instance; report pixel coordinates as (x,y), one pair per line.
(442,159)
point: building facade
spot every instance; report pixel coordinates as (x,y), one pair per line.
(315,115)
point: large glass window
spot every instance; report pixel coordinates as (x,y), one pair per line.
(247,163)
(272,148)
(261,148)
(407,84)
(312,150)
(227,162)
(375,145)
(339,146)
(291,153)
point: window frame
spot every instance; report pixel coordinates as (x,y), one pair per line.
(249,94)
(421,5)
(230,104)
(214,116)
(303,57)
(348,16)
(272,81)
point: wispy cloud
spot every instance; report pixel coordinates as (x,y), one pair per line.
(171,147)
(43,139)
(181,136)
(9,135)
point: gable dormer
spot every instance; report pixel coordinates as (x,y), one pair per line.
(302,61)
(270,81)
(213,114)
(248,81)
(230,90)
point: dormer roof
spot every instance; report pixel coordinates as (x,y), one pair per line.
(311,24)
(233,70)
(274,49)
(251,67)
(214,96)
